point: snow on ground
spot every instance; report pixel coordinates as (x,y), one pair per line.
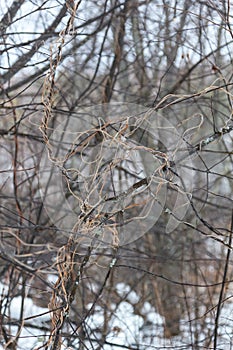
(126,328)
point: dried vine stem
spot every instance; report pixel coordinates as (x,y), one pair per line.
(64,288)
(50,80)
